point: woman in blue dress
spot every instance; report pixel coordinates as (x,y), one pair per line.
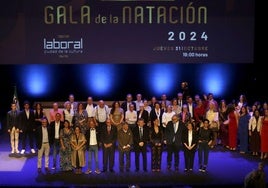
(243,129)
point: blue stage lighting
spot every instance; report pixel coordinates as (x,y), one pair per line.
(99,78)
(162,78)
(35,79)
(215,78)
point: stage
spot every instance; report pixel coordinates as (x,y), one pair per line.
(225,168)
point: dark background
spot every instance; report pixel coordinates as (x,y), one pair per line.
(247,78)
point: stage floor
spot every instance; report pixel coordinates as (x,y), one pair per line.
(225,168)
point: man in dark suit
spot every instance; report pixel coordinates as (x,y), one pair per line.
(180,99)
(140,141)
(108,141)
(43,144)
(142,113)
(125,142)
(173,140)
(27,126)
(127,102)
(190,105)
(56,126)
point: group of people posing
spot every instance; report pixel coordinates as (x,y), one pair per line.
(182,124)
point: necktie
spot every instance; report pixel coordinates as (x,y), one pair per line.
(175,130)
(183,117)
(140,133)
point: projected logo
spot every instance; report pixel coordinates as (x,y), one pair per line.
(63,46)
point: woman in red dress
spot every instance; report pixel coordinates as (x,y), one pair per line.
(264,136)
(223,116)
(233,126)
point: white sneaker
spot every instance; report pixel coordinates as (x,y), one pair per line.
(88,171)
(17,151)
(32,150)
(22,151)
(12,151)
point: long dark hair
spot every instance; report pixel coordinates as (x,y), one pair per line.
(113,106)
(230,108)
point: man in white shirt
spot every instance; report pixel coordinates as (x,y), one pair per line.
(101,114)
(131,116)
(90,107)
(167,116)
(138,101)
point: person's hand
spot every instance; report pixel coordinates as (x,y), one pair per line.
(209,143)
(226,122)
